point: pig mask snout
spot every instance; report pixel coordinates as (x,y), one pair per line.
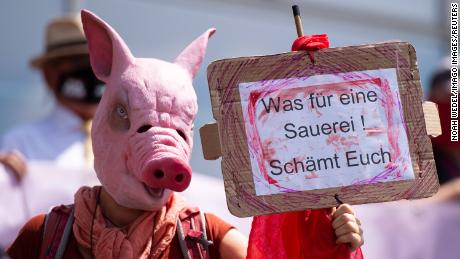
(170,172)
(160,155)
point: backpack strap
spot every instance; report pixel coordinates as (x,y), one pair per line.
(191,231)
(56,233)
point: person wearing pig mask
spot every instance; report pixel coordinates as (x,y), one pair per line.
(142,142)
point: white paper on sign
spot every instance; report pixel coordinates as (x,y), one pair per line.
(325,131)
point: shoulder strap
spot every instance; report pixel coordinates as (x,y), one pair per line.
(191,231)
(56,233)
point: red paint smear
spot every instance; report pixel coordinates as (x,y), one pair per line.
(341,142)
(312,175)
(385,96)
(389,103)
(268,151)
(254,139)
(374,131)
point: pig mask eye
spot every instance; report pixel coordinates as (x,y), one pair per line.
(121,112)
(119,119)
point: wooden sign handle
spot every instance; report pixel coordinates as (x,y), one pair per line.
(432,122)
(210,140)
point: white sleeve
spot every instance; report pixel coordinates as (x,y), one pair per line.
(12,207)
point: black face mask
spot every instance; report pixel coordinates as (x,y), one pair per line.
(81,85)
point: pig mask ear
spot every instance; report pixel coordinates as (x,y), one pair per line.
(191,57)
(108,52)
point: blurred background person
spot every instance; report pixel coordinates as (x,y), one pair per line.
(61,137)
(446,152)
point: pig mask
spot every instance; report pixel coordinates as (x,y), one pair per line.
(142,129)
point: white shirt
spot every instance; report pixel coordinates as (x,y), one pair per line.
(404,229)
(57,140)
(58,137)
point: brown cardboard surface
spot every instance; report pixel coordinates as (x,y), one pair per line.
(224,77)
(432,121)
(210,142)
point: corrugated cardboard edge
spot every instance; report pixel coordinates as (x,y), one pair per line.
(432,121)
(210,142)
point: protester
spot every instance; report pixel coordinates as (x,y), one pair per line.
(61,137)
(66,69)
(446,152)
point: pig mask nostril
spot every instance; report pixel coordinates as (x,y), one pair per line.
(179,178)
(182,134)
(144,128)
(159,174)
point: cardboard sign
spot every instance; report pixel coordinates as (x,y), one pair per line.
(296,131)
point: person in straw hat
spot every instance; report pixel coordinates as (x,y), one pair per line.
(62,135)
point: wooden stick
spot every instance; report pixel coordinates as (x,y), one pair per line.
(298,21)
(339,201)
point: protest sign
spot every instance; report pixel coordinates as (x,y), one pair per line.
(297,130)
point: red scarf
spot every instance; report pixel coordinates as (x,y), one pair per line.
(152,231)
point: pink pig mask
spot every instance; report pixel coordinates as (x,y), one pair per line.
(142,130)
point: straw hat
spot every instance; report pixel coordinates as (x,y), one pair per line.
(64,37)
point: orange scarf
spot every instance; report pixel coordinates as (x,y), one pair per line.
(133,241)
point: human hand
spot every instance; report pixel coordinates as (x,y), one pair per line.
(15,163)
(347,227)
